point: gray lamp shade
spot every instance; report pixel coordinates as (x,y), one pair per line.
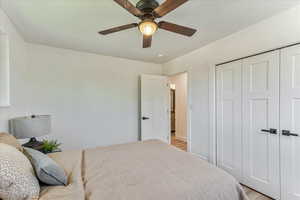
(29,127)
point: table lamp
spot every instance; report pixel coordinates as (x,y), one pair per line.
(30,127)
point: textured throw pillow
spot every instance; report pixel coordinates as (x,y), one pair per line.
(17,178)
(10,140)
(46,169)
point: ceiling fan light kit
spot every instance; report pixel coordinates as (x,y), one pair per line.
(147,11)
(148,27)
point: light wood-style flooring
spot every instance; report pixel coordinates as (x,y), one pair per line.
(179,143)
(253,195)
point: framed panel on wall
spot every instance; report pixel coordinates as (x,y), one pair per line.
(4,70)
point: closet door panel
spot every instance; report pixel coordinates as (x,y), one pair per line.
(229,130)
(261,111)
(290,120)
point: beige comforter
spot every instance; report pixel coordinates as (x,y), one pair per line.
(148,170)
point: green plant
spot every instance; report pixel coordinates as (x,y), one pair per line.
(50,146)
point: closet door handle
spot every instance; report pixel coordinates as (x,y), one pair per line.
(288,133)
(271,130)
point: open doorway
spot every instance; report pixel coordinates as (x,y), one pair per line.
(178,107)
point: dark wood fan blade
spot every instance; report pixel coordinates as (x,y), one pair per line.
(129,7)
(167,7)
(117,29)
(147,40)
(177,28)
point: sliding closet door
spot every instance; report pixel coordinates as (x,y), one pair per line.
(261,123)
(290,123)
(229,129)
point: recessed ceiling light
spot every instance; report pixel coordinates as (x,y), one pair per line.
(160,55)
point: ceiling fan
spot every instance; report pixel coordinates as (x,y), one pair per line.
(148,11)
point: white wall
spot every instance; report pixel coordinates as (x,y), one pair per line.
(93,99)
(180,81)
(18,69)
(86,92)
(274,32)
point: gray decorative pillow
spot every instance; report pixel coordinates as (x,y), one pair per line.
(17,178)
(46,169)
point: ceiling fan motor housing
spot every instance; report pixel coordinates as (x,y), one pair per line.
(147,11)
(147,6)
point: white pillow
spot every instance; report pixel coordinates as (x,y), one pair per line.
(18,181)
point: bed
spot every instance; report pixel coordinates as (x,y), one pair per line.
(150,170)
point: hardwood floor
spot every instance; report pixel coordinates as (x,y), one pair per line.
(179,143)
(253,195)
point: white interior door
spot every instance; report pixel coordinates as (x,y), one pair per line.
(155,123)
(290,121)
(229,118)
(261,111)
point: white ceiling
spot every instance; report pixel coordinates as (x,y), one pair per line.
(73,24)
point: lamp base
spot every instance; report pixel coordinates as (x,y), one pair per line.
(33,143)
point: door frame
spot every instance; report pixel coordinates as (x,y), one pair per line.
(212,114)
(212,157)
(188,109)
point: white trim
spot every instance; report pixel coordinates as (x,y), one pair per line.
(189,112)
(188,108)
(212,115)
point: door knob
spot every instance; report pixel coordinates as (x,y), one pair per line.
(288,133)
(145,118)
(271,130)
